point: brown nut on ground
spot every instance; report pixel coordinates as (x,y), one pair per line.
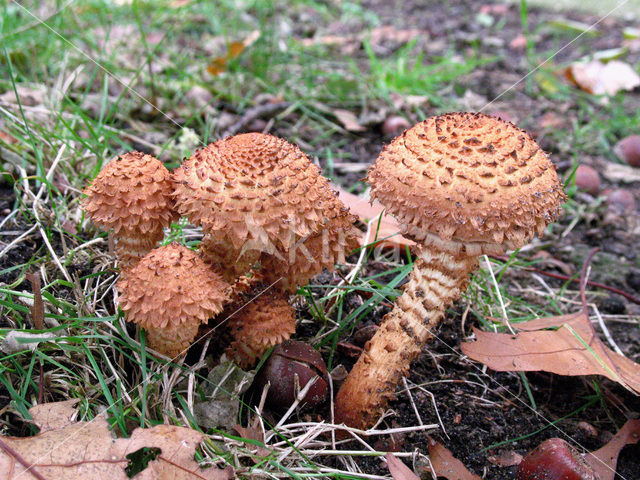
(258,196)
(132,195)
(460,184)
(169,293)
(290,367)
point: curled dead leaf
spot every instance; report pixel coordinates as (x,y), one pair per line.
(604,460)
(348,120)
(564,345)
(599,78)
(384,230)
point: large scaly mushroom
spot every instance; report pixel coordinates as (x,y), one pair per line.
(460,185)
(170,292)
(132,196)
(257,195)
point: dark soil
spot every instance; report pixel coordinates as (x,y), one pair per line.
(487,413)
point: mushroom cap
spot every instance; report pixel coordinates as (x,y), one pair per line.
(309,256)
(469,178)
(255,187)
(258,323)
(171,286)
(132,193)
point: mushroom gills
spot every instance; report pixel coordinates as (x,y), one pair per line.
(439,277)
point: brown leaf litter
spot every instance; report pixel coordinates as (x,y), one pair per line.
(68,450)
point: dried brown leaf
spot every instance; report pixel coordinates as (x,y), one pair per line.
(387,228)
(604,460)
(398,470)
(446,465)
(348,120)
(66,450)
(600,78)
(253,433)
(234,49)
(569,348)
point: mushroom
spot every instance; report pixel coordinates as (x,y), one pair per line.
(259,322)
(170,292)
(256,196)
(460,185)
(132,196)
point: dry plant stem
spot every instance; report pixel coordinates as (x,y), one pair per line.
(438,278)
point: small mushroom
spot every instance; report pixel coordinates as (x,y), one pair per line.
(258,322)
(132,196)
(170,292)
(460,185)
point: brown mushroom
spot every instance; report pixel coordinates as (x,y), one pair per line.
(170,292)
(461,185)
(132,196)
(256,196)
(258,321)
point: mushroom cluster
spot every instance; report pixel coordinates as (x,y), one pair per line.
(269,219)
(460,185)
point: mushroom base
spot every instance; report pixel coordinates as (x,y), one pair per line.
(438,278)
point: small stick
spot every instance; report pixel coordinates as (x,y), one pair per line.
(254,113)
(560,276)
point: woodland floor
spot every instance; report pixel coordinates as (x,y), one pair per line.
(463,60)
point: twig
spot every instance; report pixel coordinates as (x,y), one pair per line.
(583,280)
(253,113)
(590,283)
(28,467)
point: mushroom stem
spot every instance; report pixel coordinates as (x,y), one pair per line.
(172,341)
(440,275)
(131,248)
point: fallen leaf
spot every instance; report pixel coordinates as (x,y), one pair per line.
(398,470)
(604,460)
(18,341)
(66,450)
(506,458)
(570,348)
(234,49)
(223,387)
(445,464)
(348,120)
(257,445)
(386,228)
(600,78)
(616,172)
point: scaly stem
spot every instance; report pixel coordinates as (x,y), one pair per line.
(438,278)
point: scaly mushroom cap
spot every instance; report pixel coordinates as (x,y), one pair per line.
(171,286)
(255,188)
(309,256)
(467,177)
(131,194)
(258,324)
